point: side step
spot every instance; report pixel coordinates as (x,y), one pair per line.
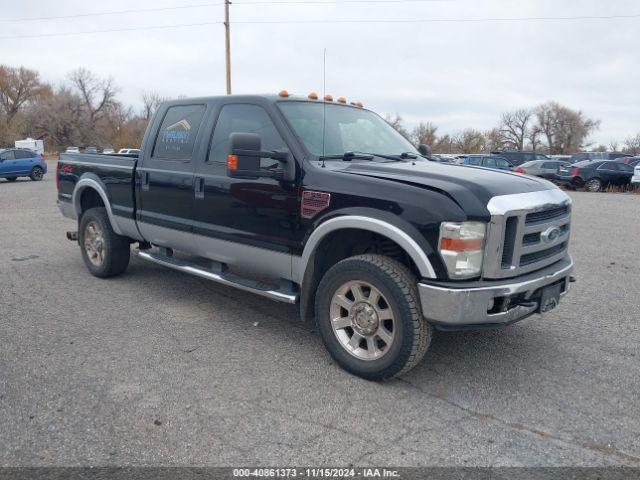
(286,294)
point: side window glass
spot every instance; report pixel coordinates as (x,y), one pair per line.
(20,154)
(10,155)
(177,135)
(242,118)
(474,161)
(490,162)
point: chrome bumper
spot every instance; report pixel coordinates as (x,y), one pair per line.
(475,305)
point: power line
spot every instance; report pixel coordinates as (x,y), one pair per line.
(334,21)
(213,4)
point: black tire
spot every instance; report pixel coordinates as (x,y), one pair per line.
(36,174)
(398,286)
(114,251)
(11,179)
(593,185)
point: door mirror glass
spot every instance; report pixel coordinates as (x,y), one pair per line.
(424,150)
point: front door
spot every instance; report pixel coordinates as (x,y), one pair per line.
(165,179)
(25,161)
(7,163)
(245,222)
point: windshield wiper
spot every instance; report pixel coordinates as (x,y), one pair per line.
(348,156)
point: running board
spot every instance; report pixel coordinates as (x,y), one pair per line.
(225,278)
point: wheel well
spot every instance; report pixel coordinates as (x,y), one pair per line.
(90,198)
(337,246)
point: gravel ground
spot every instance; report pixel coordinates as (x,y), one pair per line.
(160,368)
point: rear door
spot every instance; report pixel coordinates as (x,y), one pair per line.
(245,222)
(610,173)
(164,177)
(548,169)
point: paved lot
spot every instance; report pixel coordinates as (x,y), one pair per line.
(157,367)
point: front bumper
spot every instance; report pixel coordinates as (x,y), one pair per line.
(490,303)
(635,180)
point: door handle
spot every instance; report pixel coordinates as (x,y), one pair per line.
(145,181)
(199,187)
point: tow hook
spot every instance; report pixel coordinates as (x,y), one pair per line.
(73,236)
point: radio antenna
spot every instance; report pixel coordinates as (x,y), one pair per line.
(324,101)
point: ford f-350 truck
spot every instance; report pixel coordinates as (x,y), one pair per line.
(322,203)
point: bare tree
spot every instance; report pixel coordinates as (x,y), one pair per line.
(98,98)
(613,145)
(566,130)
(425,133)
(494,140)
(398,124)
(150,102)
(514,127)
(632,144)
(534,137)
(469,141)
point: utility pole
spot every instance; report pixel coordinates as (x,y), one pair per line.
(227,33)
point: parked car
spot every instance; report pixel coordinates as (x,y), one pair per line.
(21,162)
(91,150)
(541,168)
(561,158)
(488,161)
(108,151)
(631,161)
(129,151)
(595,176)
(578,157)
(635,180)
(379,247)
(72,150)
(518,158)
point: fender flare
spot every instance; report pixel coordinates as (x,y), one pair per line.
(91,181)
(402,238)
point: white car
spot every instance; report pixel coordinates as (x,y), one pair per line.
(108,151)
(72,150)
(635,180)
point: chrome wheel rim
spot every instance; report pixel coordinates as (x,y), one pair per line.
(94,243)
(593,186)
(362,320)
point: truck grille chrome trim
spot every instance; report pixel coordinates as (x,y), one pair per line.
(527,232)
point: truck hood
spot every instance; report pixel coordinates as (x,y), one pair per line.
(469,187)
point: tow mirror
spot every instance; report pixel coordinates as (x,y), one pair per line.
(243,159)
(424,150)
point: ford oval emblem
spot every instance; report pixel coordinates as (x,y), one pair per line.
(550,235)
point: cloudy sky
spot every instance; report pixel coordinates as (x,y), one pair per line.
(456,74)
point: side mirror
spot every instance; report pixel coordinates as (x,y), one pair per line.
(245,153)
(424,150)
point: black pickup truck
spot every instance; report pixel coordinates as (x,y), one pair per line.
(322,203)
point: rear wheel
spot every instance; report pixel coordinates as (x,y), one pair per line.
(36,174)
(368,313)
(594,185)
(12,179)
(104,252)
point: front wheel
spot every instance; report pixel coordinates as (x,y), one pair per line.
(105,253)
(36,174)
(594,185)
(11,179)
(369,316)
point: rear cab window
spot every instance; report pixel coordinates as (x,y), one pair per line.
(177,135)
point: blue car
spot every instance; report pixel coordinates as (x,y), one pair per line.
(488,161)
(21,162)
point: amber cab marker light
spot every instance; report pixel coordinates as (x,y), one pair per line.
(460,245)
(328,98)
(313,96)
(342,100)
(359,104)
(284,93)
(232,162)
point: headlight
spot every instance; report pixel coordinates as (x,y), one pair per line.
(461,246)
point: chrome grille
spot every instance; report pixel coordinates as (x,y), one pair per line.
(527,232)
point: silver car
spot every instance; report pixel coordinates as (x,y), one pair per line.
(541,168)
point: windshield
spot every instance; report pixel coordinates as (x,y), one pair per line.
(347,129)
